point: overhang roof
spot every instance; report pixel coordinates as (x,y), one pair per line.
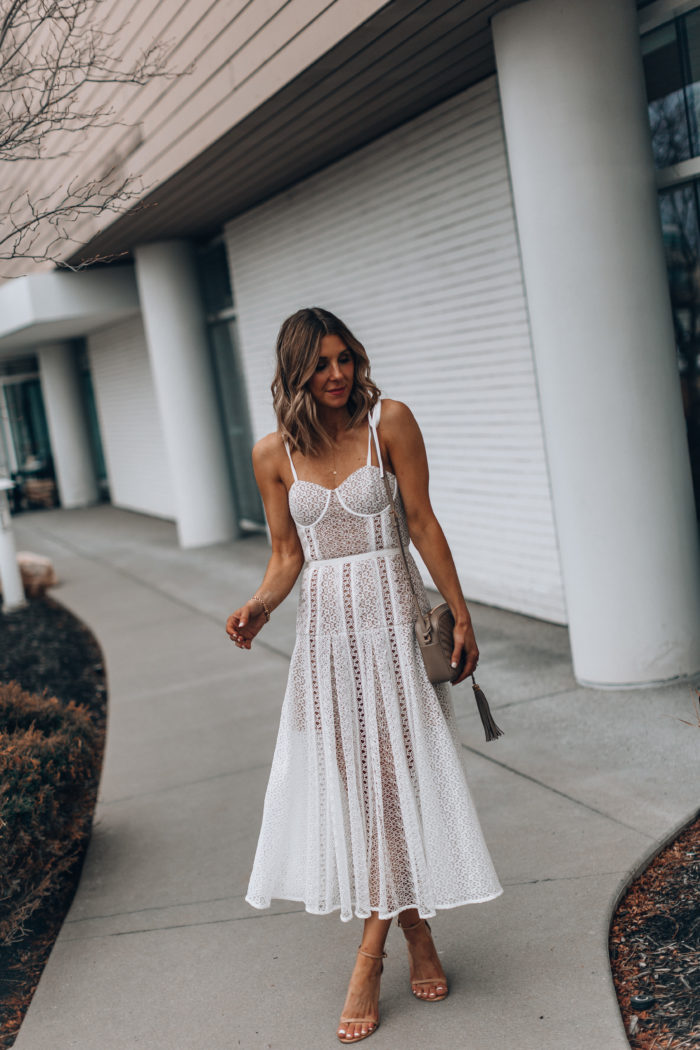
(408,57)
(54,306)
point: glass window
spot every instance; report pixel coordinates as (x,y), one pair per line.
(19,365)
(690,25)
(215,280)
(217,294)
(671,58)
(28,425)
(93,420)
(680,220)
(233,408)
(666,95)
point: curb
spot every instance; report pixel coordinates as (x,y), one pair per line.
(626,881)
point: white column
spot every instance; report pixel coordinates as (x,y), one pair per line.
(574,110)
(68,425)
(185,391)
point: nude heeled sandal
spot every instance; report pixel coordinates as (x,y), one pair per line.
(362,1020)
(425,980)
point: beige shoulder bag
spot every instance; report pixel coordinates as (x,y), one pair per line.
(435,634)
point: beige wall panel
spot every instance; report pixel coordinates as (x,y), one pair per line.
(187,28)
(223,100)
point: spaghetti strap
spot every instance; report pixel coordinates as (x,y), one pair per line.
(291,463)
(369,442)
(373,423)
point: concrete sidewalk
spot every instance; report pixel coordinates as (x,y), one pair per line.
(160,951)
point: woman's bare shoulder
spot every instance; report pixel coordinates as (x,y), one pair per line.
(268,452)
(395,413)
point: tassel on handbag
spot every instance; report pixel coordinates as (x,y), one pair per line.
(490,728)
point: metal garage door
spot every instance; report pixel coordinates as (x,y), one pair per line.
(412,241)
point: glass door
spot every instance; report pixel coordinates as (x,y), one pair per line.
(30,435)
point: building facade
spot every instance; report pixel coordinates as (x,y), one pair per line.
(496,198)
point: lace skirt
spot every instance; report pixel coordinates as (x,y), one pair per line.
(367,806)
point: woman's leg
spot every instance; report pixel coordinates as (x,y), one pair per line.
(424,961)
(363,991)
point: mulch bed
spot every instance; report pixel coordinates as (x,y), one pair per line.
(45,647)
(655,949)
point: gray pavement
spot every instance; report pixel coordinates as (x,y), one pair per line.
(160,950)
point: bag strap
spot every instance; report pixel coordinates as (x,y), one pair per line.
(423,616)
(492,731)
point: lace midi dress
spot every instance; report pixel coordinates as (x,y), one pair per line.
(367,806)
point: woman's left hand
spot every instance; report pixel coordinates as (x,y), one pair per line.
(465,642)
(243,624)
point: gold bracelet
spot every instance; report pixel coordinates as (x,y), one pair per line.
(257,598)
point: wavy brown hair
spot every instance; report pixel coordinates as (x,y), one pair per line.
(298,351)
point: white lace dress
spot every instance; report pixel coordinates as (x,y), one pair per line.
(367,806)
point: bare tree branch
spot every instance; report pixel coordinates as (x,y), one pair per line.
(51,51)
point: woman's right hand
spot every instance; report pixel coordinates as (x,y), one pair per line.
(243,624)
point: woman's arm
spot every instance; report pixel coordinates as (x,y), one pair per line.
(404,443)
(287,556)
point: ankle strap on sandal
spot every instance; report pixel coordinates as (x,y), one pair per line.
(369,955)
(412,926)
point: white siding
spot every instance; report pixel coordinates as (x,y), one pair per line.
(412,241)
(135,455)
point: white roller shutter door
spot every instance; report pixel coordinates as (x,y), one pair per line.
(134,450)
(412,241)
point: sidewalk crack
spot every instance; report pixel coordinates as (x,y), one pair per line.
(557,791)
(155,907)
(564,878)
(181,926)
(531,699)
(185,783)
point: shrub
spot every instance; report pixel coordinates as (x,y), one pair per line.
(49,767)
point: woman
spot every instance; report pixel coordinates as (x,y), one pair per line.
(367,809)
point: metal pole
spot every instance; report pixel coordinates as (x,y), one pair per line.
(10,577)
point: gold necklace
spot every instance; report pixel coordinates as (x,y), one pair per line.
(334,472)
